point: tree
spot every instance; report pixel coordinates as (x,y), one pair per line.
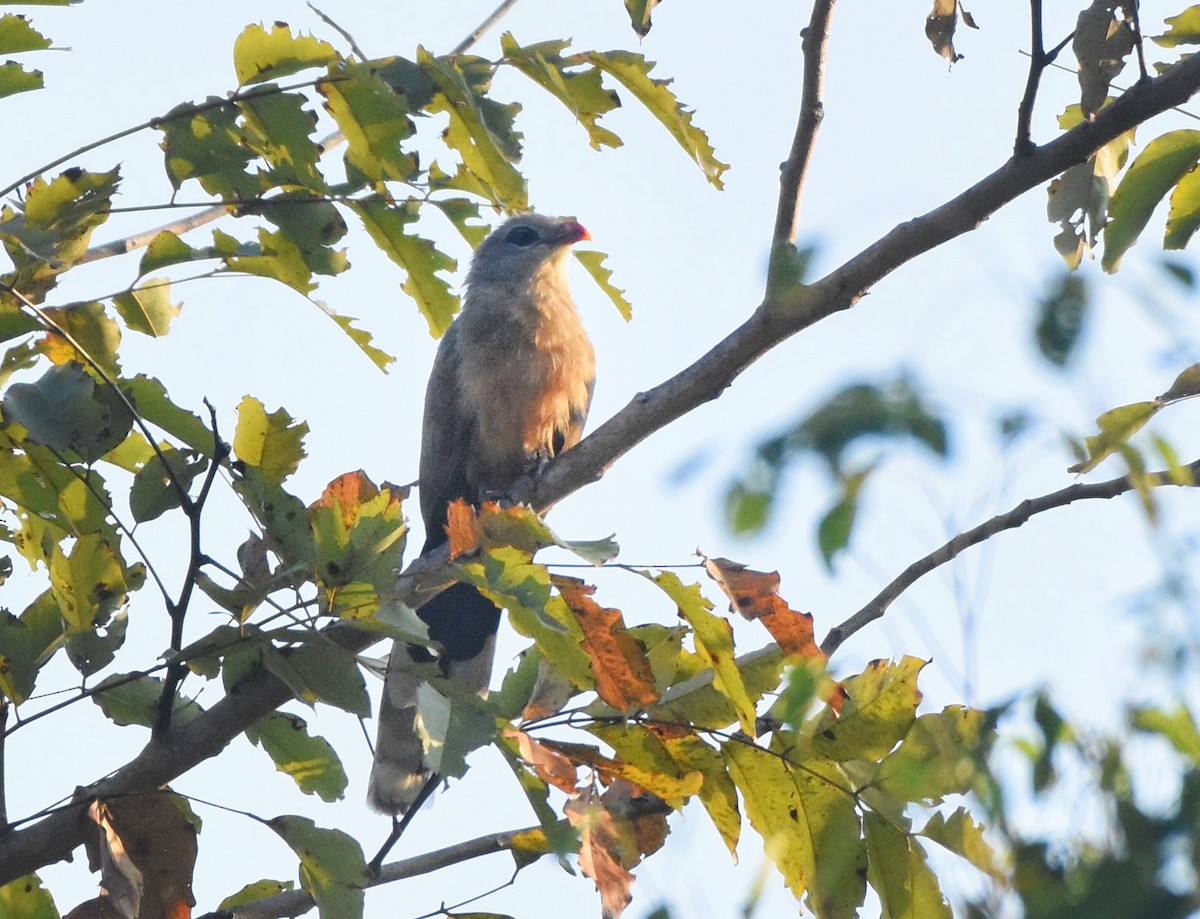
(624,718)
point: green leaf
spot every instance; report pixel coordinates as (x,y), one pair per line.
(16,79)
(582,93)
(713,637)
(639,15)
(282,516)
(25,898)
(964,837)
(153,405)
(17,35)
(907,887)
(1116,425)
(26,643)
(148,309)
(486,154)
(273,443)
(129,698)
(1186,384)
(417,256)
(310,761)
(879,708)
(1062,314)
(633,72)
(88,326)
(320,670)
(167,249)
(1177,726)
(1184,216)
(279,129)
(718,794)
(1151,175)
(332,867)
(156,486)
(375,120)
(808,825)
(279,259)
(833,532)
(705,706)
(260,55)
(66,410)
(207,146)
(594,263)
(360,337)
(89,583)
(936,757)
(1184,29)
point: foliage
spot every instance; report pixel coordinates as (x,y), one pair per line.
(609,724)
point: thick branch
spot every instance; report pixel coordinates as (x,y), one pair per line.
(812,111)
(774,321)
(1018,516)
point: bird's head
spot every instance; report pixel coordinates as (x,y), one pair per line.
(521,248)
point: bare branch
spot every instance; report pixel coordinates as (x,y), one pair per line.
(812,111)
(497,14)
(1037,63)
(354,48)
(297,902)
(1010,520)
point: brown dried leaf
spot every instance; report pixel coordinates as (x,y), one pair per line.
(939,28)
(624,678)
(461,528)
(755,594)
(599,851)
(552,767)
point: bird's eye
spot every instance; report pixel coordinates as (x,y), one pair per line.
(522,236)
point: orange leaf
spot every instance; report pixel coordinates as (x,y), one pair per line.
(346,493)
(460,527)
(599,857)
(755,594)
(624,678)
(553,768)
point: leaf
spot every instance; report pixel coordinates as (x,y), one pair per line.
(279,129)
(936,757)
(552,767)
(132,699)
(1101,43)
(1152,174)
(623,676)
(1062,314)
(1186,385)
(808,825)
(260,55)
(1184,29)
(963,836)
(417,256)
(282,516)
(878,709)
(755,594)
(1116,425)
(332,866)
(360,337)
(320,670)
(310,761)
(594,263)
(157,486)
(26,643)
(206,145)
(898,871)
(167,249)
(939,29)
(713,637)
(375,121)
(16,79)
(273,443)
(598,856)
(1178,727)
(639,15)
(150,398)
(87,334)
(66,410)
(25,898)
(17,35)
(259,890)
(148,309)
(633,72)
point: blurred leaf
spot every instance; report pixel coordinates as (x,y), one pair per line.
(594,263)
(148,309)
(833,532)
(332,866)
(897,869)
(963,836)
(936,757)
(1116,425)
(1178,727)
(1152,174)
(128,698)
(1062,315)
(1186,384)
(310,761)
(25,898)
(259,54)
(259,890)
(417,256)
(273,443)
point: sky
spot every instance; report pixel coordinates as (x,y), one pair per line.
(903,132)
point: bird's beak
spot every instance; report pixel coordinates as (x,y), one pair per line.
(572,232)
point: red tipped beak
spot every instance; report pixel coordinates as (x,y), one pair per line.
(573,232)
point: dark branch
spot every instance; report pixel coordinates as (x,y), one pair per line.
(1014,518)
(1037,63)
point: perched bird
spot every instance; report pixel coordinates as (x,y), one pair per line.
(510,388)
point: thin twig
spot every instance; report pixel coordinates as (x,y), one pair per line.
(340,31)
(497,14)
(1012,519)
(812,112)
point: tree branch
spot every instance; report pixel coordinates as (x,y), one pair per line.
(1010,520)
(812,112)
(297,902)
(784,313)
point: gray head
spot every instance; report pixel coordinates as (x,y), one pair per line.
(515,251)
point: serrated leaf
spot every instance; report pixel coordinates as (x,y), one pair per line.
(133,699)
(963,836)
(1151,175)
(360,337)
(594,263)
(279,259)
(1116,425)
(633,72)
(207,146)
(375,120)
(1184,29)
(310,761)
(16,79)
(420,259)
(907,887)
(259,54)
(878,709)
(148,309)
(83,333)
(332,866)
(273,443)
(279,128)
(17,35)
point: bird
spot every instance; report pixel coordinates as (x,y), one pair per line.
(510,389)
